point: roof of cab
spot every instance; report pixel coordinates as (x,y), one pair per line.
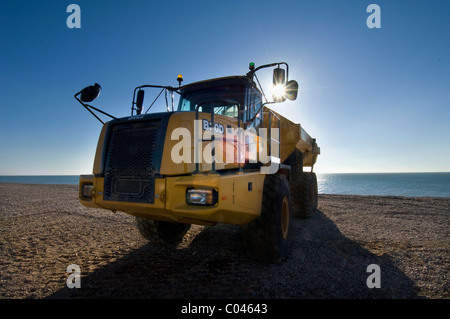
(237,80)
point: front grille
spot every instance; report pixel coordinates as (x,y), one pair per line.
(130,162)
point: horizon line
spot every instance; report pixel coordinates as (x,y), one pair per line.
(422,172)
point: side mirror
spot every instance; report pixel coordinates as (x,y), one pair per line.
(279,80)
(291,90)
(139,101)
(90,93)
(279,76)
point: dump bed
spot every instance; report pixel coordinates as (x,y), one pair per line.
(292,135)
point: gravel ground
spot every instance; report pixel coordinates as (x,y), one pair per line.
(44,229)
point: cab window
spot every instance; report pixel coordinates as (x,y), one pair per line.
(224,100)
(254,105)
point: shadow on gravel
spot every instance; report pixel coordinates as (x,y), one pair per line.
(323,264)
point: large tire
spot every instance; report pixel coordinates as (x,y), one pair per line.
(268,237)
(161,232)
(315,191)
(303,186)
(307,195)
(295,161)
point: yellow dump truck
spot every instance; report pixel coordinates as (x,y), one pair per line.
(223,156)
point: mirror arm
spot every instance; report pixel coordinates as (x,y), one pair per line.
(252,73)
(154,101)
(271,65)
(166,88)
(89,107)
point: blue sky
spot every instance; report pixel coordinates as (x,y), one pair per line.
(377,100)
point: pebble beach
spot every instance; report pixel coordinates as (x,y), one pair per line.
(44,229)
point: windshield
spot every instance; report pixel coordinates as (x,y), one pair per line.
(225,100)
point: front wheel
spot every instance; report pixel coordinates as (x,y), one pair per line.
(268,237)
(160,231)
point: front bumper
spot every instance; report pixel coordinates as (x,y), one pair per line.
(239,198)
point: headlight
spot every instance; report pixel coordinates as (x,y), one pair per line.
(86,190)
(205,197)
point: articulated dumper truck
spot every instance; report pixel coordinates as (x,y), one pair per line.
(222,156)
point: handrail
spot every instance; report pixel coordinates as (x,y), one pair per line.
(213,137)
(270,113)
(270,139)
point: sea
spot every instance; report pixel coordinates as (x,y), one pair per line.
(383,184)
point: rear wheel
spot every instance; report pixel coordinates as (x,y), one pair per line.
(295,161)
(307,195)
(303,186)
(268,237)
(315,191)
(160,231)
